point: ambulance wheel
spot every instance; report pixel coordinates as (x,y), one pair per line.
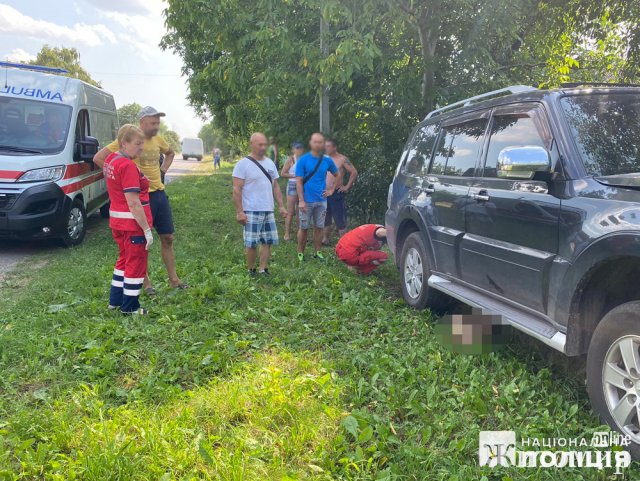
(104,210)
(75,226)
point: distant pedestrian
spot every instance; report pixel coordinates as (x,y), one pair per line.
(360,248)
(273,152)
(130,220)
(313,190)
(255,187)
(289,172)
(336,202)
(216,158)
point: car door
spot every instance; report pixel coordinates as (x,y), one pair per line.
(512,223)
(82,169)
(448,181)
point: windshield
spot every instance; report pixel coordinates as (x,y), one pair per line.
(606,128)
(32,127)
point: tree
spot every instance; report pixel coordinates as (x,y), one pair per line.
(128,114)
(66,58)
(388,62)
(173,139)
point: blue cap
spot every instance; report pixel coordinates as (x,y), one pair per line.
(297,145)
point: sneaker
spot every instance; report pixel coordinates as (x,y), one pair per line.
(300,257)
(253,272)
(140,312)
(319,255)
(265,272)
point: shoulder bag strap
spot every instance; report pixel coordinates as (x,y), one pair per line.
(315,169)
(261,168)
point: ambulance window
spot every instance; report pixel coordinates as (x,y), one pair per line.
(82,127)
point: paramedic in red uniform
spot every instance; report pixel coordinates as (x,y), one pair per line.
(360,248)
(129,219)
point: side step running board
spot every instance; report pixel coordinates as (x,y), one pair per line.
(521,320)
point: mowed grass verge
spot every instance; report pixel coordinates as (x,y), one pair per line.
(312,373)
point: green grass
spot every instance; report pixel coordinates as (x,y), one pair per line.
(311,374)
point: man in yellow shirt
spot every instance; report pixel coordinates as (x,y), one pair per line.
(147,161)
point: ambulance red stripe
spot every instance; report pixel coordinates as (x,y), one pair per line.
(67,189)
(75,170)
(10,174)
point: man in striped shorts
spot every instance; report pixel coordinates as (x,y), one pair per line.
(255,187)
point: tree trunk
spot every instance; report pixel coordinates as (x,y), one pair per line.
(428,51)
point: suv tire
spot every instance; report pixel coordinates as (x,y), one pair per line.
(414,271)
(75,224)
(609,379)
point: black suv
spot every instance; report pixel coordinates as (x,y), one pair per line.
(526,203)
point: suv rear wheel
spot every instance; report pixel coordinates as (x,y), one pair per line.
(613,371)
(415,271)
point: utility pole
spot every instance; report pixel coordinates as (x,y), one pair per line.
(325,123)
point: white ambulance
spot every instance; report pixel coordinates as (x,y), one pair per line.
(50,128)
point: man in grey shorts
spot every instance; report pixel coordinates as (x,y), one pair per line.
(311,184)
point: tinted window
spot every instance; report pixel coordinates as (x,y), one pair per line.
(607,131)
(516,130)
(82,126)
(458,148)
(419,153)
(104,127)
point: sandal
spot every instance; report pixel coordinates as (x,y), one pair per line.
(150,291)
(182,285)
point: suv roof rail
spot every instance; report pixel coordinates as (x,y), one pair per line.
(596,84)
(35,68)
(514,89)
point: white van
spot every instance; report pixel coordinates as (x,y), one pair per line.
(51,126)
(192,148)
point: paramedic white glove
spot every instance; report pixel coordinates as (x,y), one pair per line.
(148,235)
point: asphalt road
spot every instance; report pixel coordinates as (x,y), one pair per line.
(14,252)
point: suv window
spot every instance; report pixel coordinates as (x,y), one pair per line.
(421,148)
(458,148)
(510,130)
(606,128)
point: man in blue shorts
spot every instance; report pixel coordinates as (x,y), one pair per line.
(311,184)
(336,206)
(255,187)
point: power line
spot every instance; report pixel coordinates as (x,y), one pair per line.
(137,74)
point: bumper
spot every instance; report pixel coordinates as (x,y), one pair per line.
(390,220)
(28,214)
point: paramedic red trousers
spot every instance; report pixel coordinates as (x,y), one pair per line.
(130,270)
(365,261)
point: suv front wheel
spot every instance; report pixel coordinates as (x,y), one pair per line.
(415,271)
(613,372)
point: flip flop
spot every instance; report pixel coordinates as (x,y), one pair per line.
(182,285)
(150,291)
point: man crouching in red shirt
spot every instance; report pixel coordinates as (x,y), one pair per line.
(129,219)
(360,248)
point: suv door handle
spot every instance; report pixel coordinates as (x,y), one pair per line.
(481,196)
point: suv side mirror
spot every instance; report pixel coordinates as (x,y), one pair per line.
(84,150)
(523,162)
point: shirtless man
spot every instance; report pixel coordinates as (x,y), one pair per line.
(336,207)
